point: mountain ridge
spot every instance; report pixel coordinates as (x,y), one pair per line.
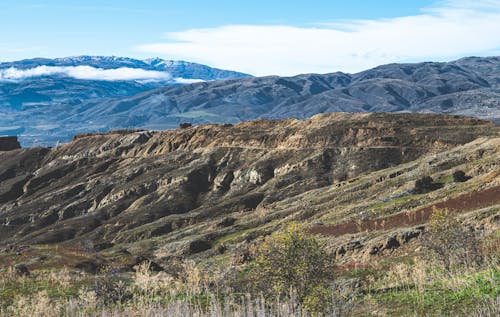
(174,67)
(41,93)
(468,86)
(422,87)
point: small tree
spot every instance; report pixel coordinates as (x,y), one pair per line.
(460,177)
(449,242)
(292,260)
(109,288)
(425,185)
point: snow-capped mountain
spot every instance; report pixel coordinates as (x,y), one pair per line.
(37,95)
(177,69)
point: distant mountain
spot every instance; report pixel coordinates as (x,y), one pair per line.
(38,95)
(180,69)
(469,86)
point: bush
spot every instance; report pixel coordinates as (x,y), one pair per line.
(460,177)
(110,288)
(425,185)
(294,261)
(449,242)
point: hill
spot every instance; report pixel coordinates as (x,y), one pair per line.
(128,187)
(210,194)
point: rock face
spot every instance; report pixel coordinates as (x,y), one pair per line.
(184,189)
(9,143)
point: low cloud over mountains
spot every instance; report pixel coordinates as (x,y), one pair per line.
(84,72)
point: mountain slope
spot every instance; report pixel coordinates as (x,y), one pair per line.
(469,86)
(185,191)
(466,87)
(175,68)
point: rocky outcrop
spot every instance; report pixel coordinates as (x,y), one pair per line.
(9,143)
(184,190)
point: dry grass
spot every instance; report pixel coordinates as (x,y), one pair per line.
(193,293)
(405,286)
(405,289)
(86,304)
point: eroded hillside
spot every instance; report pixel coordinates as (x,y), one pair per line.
(210,191)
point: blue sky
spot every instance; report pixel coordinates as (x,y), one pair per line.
(260,37)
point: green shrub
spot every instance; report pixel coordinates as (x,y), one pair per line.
(425,185)
(294,261)
(449,242)
(110,288)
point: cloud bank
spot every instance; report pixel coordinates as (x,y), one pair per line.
(84,72)
(446,31)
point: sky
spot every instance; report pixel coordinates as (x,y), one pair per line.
(257,37)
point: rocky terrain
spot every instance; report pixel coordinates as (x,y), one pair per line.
(210,191)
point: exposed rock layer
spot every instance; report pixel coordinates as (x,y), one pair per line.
(189,187)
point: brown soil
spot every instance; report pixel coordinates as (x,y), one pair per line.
(466,202)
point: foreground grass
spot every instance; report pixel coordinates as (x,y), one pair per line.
(458,295)
(408,289)
(406,285)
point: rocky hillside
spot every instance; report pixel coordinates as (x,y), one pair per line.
(210,190)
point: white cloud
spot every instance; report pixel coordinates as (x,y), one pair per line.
(449,30)
(180,80)
(84,72)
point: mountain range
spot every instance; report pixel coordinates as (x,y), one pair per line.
(53,108)
(181,69)
(38,96)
